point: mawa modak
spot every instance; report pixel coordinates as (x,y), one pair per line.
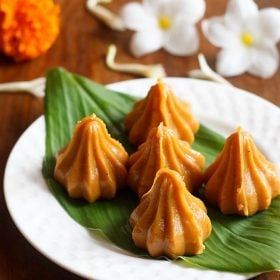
(164,149)
(241,180)
(93,164)
(170,221)
(161,105)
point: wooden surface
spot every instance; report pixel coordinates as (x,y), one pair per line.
(81,48)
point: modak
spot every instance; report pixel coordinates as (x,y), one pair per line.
(170,221)
(241,180)
(92,165)
(164,149)
(161,105)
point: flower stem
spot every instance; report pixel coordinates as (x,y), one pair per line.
(35,87)
(153,71)
(107,17)
(206,73)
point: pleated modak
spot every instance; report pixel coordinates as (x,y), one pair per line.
(161,105)
(92,165)
(170,221)
(241,180)
(164,149)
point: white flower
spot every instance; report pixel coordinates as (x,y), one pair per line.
(164,23)
(247,37)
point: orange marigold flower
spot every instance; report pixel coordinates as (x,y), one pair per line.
(28,28)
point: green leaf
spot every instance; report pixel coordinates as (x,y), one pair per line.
(236,244)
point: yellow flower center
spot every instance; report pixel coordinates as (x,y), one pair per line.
(164,22)
(247,39)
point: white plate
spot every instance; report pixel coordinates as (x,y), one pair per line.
(51,231)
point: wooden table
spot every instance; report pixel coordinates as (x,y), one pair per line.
(81,48)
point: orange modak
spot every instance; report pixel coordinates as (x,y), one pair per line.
(164,149)
(170,221)
(28,28)
(241,180)
(160,105)
(92,165)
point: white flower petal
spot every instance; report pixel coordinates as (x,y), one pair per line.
(269,24)
(232,62)
(182,39)
(218,33)
(191,10)
(136,17)
(241,10)
(264,61)
(159,7)
(147,41)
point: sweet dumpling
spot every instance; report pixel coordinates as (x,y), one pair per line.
(170,221)
(241,180)
(161,105)
(92,165)
(164,149)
